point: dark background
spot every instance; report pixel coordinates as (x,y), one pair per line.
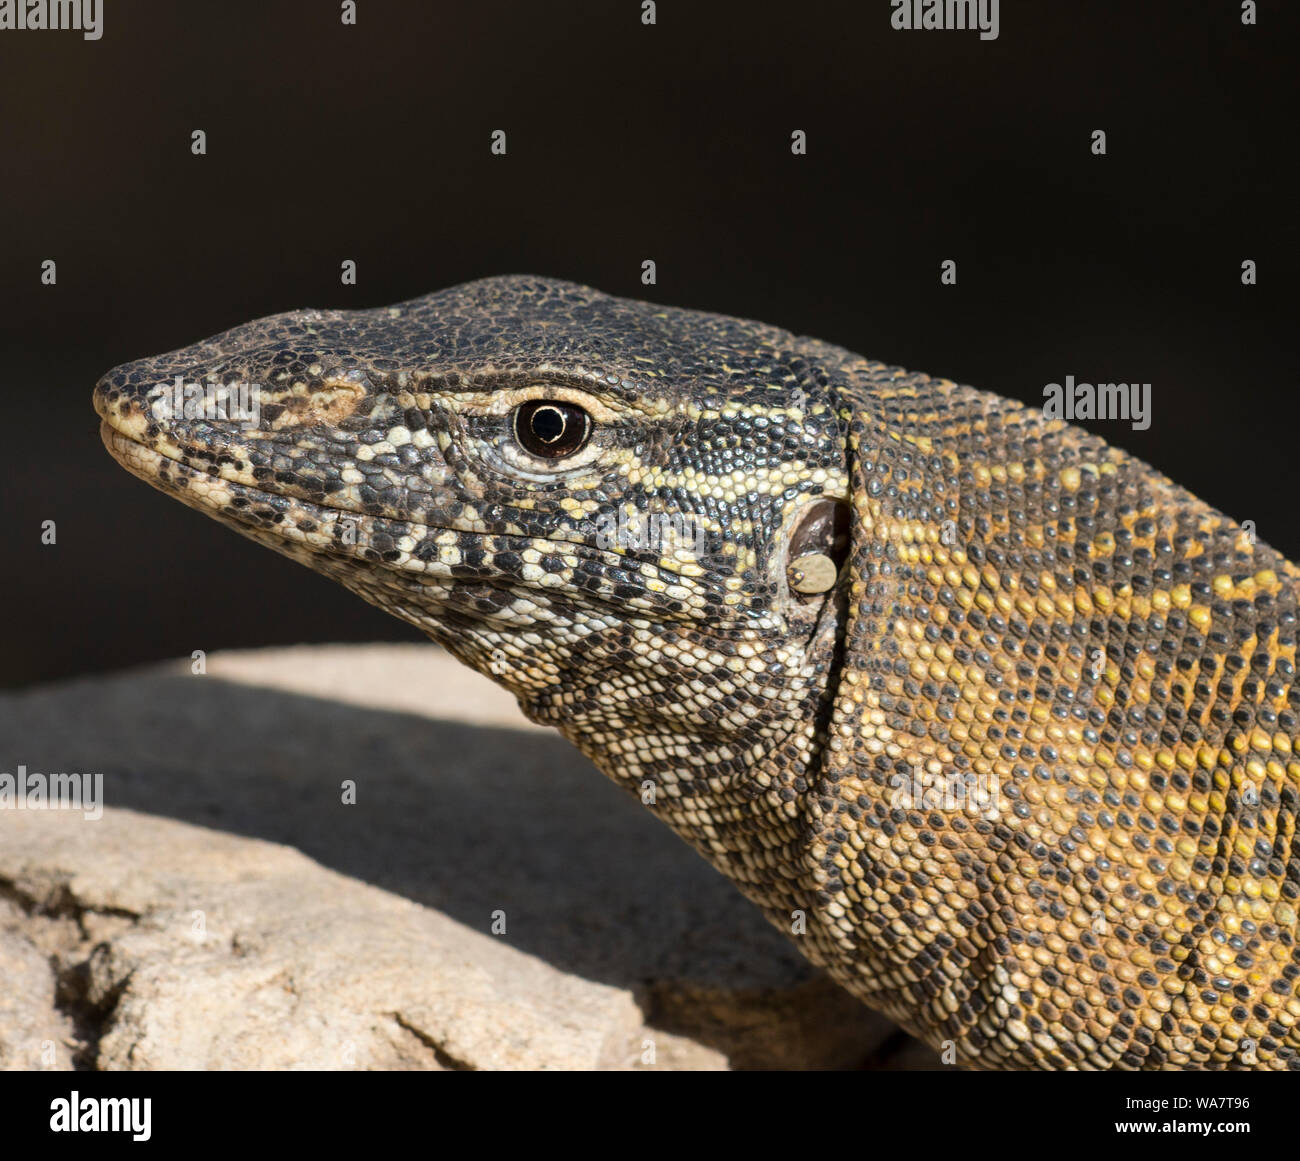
(626,142)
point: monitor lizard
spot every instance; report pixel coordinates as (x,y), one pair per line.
(993,719)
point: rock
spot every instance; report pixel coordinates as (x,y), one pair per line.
(237,953)
(34,1033)
(230,910)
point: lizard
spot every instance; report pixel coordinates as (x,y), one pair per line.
(993,719)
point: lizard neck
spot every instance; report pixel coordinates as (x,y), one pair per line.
(727,755)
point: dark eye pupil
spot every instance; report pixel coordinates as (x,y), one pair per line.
(548,424)
(551,429)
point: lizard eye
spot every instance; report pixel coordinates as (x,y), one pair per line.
(550,429)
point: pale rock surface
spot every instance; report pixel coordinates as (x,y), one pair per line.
(229,910)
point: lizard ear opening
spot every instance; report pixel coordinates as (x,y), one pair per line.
(819,545)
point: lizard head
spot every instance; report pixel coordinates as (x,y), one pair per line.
(1027,744)
(629,515)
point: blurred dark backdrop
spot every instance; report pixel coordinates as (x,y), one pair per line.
(626,143)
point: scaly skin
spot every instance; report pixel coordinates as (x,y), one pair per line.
(1021,777)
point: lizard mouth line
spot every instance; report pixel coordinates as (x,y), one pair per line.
(153,465)
(150,463)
